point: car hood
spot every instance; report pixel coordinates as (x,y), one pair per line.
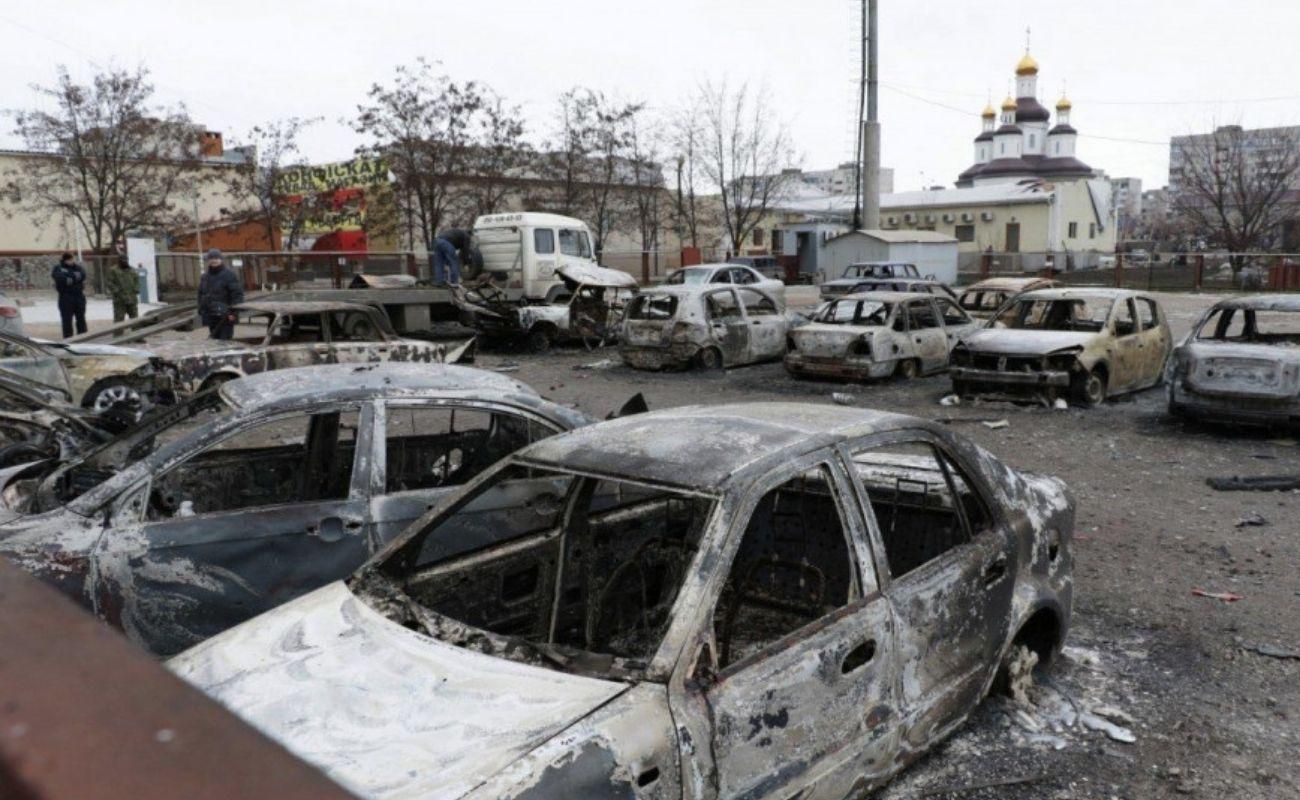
(101,350)
(180,348)
(1006,341)
(383,710)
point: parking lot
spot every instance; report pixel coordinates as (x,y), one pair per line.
(1209,716)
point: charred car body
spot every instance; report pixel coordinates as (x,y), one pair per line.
(590,310)
(1240,363)
(39,421)
(95,376)
(1045,344)
(247,496)
(855,273)
(728,273)
(913,285)
(769,600)
(878,334)
(982,299)
(678,326)
(273,334)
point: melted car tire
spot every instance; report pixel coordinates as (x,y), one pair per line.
(908,369)
(539,339)
(1090,389)
(710,358)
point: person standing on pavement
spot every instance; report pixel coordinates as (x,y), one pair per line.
(449,248)
(220,290)
(70,282)
(124,288)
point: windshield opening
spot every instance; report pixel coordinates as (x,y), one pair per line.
(1251,326)
(1066,314)
(654,308)
(855,312)
(552,567)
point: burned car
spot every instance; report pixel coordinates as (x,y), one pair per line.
(278,334)
(675,327)
(766,600)
(855,273)
(590,310)
(878,334)
(912,285)
(983,298)
(249,495)
(728,273)
(39,421)
(95,376)
(1088,344)
(1240,363)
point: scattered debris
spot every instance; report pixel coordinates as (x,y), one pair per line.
(1060,405)
(1272,651)
(509,366)
(604,363)
(1253,519)
(1283,442)
(1261,483)
(996,425)
(1095,722)
(950,400)
(975,787)
(840,398)
(1227,597)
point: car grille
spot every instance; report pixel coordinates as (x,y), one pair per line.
(1009,363)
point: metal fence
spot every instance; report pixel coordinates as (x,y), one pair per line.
(179,273)
(32,272)
(1223,272)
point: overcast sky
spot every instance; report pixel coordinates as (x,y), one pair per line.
(1137,70)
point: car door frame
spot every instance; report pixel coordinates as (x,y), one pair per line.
(930,345)
(127,512)
(720,330)
(377,490)
(953,333)
(692,678)
(1128,349)
(994,553)
(1157,343)
(771,327)
(298,354)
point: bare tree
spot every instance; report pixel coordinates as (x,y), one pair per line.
(1239,186)
(688,214)
(264,178)
(421,125)
(745,151)
(647,187)
(499,158)
(105,156)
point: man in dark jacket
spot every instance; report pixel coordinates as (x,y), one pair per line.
(220,290)
(70,281)
(451,246)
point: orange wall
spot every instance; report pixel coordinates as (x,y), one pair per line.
(238,237)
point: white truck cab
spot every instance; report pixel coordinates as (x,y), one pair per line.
(527,249)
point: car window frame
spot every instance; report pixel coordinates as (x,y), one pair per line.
(1116,311)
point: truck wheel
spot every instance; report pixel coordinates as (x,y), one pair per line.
(539,339)
(710,358)
(908,369)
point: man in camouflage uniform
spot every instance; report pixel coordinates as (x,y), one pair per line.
(124,288)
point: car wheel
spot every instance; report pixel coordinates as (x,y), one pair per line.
(113,394)
(710,358)
(1090,390)
(908,369)
(539,340)
(361,329)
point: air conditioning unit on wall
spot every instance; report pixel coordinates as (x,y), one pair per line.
(929,218)
(987,216)
(909,217)
(967,216)
(893,220)
(949,217)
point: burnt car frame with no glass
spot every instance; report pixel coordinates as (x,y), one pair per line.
(712,326)
(242,498)
(765,601)
(1240,363)
(1047,343)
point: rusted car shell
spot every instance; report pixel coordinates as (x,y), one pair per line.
(98,549)
(1241,382)
(1003,288)
(545,323)
(1019,363)
(460,723)
(860,352)
(678,343)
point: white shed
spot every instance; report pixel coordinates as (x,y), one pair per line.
(934,254)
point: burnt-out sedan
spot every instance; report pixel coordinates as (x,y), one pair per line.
(767,600)
(876,335)
(245,497)
(1241,363)
(713,327)
(1087,344)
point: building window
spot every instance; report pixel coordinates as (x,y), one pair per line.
(1074,230)
(965,233)
(776,241)
(1033,141)
(1092,230)
(758,237)
(1057,148)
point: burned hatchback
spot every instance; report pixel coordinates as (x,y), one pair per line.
(775,600)
(713,327)
(1241,363)
(247,496)
(1047,344)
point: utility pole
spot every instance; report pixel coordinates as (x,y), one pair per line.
(857,142)
(871,130)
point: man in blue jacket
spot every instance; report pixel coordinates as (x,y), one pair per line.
(220,290)
(70,281)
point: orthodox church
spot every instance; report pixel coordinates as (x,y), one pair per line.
(1021,142)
